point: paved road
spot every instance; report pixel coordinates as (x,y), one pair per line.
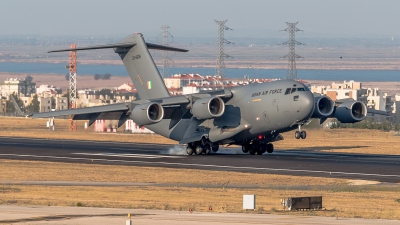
(310,162)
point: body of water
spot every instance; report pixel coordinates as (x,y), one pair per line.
(119,70)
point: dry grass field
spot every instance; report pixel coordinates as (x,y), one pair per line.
(182,189)
(207,188)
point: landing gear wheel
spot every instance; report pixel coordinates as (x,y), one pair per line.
(189,150)
(254,148)
(207,149)
(198,150)
(261,150)
(303,134)
(246,148)
(215,147)
(270,148)
(297,134)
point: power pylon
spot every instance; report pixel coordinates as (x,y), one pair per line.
(292,71)
(165,41)
(220,70)
(72,85)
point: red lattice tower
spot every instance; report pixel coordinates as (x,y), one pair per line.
(72,85)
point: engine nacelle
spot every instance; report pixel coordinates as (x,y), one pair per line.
(351,112)
(324,107)
(208,108)
(147,113)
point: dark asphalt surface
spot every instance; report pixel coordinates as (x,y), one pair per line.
(307,162)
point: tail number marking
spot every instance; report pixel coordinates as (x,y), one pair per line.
(136,57)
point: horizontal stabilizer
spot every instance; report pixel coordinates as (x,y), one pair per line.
(165,48)
(122,45)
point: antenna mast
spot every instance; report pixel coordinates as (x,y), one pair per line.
(72,85)
(165,59)
(220,70)
(292,71)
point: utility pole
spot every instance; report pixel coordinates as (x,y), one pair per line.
(291,71)
(220,70)
(165,59)
(72,85)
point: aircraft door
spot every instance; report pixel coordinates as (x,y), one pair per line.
(275,103)
(265,115)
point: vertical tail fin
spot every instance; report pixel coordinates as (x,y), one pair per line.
(134,52)
(16,106)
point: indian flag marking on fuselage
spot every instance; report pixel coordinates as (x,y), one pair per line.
(149,84)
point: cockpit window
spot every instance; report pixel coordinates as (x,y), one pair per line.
(292,90)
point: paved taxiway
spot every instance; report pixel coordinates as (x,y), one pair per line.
(310,162)
(99,216)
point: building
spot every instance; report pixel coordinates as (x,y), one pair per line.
(372,97)
(19,87)
(126,86)
(61,103)
(45,103)
(182,80)
(397,108)
(45,89)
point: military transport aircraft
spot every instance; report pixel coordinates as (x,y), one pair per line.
(252,116)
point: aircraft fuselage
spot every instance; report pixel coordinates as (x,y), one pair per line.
(256,109)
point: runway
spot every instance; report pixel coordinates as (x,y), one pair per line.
(307,162)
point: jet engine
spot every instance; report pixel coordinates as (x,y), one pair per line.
(351,112)
(147,113)
(207,108)
(324,107)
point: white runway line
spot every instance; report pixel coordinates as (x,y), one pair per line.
(208,166)
(85,141)
(129,155)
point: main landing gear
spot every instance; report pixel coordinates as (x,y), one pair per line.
(200,147)
(300,134)
(256,147)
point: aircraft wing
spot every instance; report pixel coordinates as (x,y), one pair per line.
(83,111)
(340,101)
(175,108)
(110,112)
(369,110)
(119,111)
(379,112)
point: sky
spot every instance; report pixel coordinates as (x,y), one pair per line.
(190,18)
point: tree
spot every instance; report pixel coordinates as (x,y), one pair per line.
(34,106)
(106,76)
(29,78)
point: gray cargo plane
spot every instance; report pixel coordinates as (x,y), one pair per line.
(252,116)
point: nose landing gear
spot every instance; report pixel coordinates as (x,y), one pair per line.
(300,134)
